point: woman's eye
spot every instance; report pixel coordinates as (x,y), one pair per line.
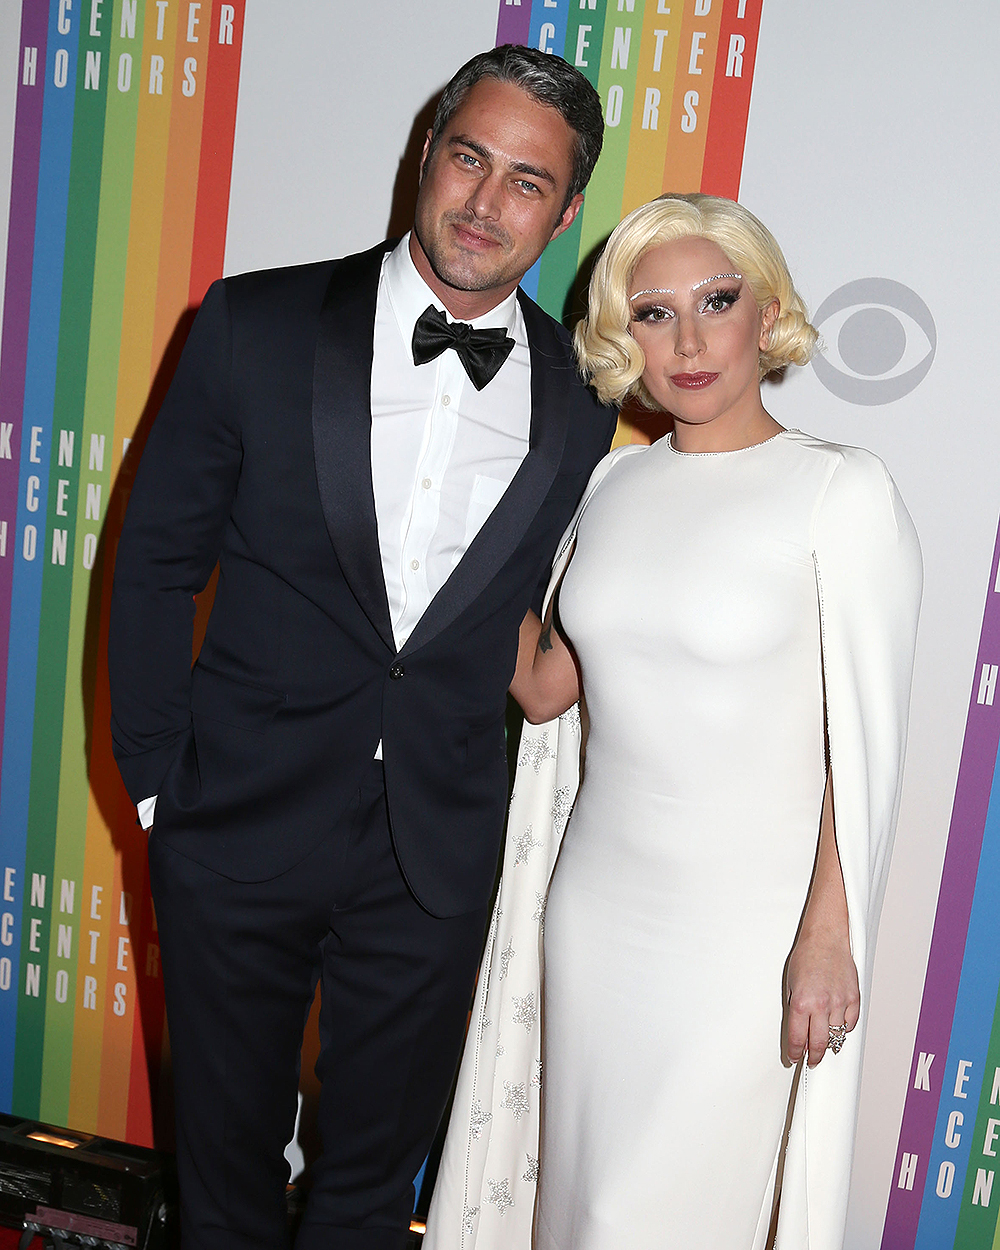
(655,313)
(719,301)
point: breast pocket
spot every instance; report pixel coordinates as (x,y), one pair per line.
(486,494)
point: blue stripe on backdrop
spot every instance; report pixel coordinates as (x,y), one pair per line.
(970,1039)
(59,85)
(550,39)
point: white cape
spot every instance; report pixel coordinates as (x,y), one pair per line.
(868,579)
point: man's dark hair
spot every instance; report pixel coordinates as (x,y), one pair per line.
(546,78)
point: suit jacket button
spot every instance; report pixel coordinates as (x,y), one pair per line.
(396,672)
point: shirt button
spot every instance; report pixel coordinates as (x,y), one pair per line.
(426,483)
(446,400)
(396,672)
(414,565)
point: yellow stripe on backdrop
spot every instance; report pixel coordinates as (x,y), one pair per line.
(654,91)
(136,366)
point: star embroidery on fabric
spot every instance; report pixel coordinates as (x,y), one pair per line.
(562,804)
(531,1172)
(506,955)
(536,1080)
(469,1219)
(516,1101)
(480,1119)
(540,901)
(500,1195)
(536,752)
(524,845)
(572,716)
(524,1010)
(501,1050)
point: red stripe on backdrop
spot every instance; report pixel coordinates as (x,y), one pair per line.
(732,85)
(212,211)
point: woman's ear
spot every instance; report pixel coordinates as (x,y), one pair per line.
(768,317)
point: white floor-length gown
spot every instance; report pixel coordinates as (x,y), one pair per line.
(731,612)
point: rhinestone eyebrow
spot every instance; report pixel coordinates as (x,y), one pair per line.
(718,278)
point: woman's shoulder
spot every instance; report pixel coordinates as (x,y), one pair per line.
(612,463)
(835,453)
(855,494)
(846,466)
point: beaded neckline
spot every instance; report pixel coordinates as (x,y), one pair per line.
(736,451)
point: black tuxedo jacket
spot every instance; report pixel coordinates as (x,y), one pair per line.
(260,460)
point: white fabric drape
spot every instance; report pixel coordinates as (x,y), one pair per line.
(868,581)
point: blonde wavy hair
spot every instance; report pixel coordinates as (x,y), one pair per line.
(612,360)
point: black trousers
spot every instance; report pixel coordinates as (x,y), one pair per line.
(240,964)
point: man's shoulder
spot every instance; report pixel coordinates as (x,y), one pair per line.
(540,326)
(307,281)
(552,346)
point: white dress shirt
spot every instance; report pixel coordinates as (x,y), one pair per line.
(442,452)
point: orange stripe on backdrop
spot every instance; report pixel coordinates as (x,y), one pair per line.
(118,1001)
(654,91)
(181,188)
(134,368)
(727,126)
(689,108)
(222,84)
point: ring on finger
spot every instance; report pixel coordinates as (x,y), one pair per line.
(838,1036)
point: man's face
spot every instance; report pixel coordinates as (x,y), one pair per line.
(491,196)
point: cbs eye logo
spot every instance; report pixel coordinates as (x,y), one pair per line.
(880,341)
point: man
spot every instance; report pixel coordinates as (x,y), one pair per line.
(327,786)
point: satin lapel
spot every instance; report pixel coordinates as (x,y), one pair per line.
(551,368)
(341,420)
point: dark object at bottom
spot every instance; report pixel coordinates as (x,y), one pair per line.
(75,1189)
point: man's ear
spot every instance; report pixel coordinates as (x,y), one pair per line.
(568,217)
(423,157)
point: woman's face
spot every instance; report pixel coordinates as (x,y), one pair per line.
(697,322)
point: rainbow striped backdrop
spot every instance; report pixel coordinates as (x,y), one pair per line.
(120,190)
(122,157)
(674,77)
(945,1195)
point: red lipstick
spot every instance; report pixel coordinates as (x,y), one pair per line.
(693,381)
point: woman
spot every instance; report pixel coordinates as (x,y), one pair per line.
(740,602)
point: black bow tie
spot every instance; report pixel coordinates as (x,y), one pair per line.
(481,352)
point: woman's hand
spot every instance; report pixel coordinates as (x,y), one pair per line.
(821,979)
(822,992)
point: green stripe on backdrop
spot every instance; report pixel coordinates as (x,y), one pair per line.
(602,208)
(557,280)
(98,412)
(71,375)
(977,1223)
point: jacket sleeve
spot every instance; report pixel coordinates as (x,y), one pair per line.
(170,542)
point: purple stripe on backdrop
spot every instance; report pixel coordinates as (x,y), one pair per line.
(513,22)
(17,287)
(944,964)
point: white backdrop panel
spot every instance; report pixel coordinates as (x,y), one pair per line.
(871,152)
